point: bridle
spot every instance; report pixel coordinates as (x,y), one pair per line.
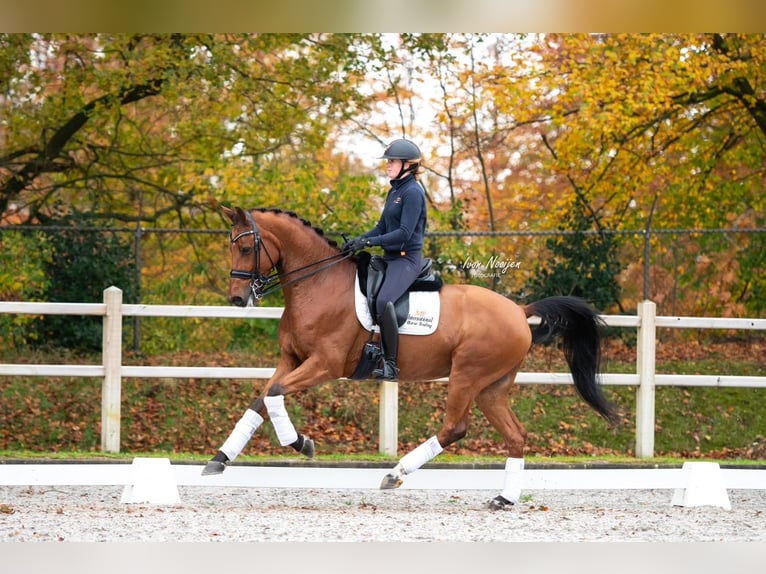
(262,285)
(258,281)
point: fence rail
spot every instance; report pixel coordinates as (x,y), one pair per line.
(112,371)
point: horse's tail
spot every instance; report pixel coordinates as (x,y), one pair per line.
(579,327)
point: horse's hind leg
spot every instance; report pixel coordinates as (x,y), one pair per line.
(493,402)
(459,399)
(410,462)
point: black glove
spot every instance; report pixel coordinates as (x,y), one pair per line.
(355,244)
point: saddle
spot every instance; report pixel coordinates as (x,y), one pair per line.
(372,272)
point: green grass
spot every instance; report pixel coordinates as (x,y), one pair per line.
(366,458)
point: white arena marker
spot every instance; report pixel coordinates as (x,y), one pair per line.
(152,481)
(704,486)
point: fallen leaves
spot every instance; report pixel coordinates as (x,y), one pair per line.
(196,416)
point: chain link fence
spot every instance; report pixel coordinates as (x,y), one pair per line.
(715,272)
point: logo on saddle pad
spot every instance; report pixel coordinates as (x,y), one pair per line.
(417,310)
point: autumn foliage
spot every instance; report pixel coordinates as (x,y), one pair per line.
(655,137)
(620,167)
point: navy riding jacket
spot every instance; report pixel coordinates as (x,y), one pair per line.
(402,224)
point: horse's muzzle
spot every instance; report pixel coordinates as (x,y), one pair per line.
(238,301)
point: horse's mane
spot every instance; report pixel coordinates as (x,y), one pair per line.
(305,222)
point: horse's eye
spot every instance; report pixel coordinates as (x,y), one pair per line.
(245,250)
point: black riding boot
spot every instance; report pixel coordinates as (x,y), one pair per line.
(389,341)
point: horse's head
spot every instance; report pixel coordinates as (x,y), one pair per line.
(251,261)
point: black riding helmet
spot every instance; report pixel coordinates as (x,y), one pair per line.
(402,149)
(406,151)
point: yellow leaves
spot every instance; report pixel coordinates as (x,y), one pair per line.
(633,132)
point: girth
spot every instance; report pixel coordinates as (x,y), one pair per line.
(372,272)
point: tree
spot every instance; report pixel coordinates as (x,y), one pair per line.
(664,128)
(100,120)
(584,264)
(643,131)
(80,265)
(158,129)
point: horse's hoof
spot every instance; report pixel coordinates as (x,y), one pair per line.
(500,503)
(390,482)
(308,447)
(213,467)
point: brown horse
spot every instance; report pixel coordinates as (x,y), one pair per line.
(480,342)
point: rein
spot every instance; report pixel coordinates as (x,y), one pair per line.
(262,285)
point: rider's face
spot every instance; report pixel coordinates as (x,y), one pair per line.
(393,168)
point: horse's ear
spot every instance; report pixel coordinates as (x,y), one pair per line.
(235,215)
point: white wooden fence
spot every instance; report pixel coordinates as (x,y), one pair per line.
(112,370)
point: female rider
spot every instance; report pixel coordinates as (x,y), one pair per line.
(400,232)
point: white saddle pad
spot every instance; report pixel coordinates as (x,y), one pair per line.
(423,315)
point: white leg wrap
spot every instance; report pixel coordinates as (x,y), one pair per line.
(286,433)
(412,461)
(242,433)
(512,487)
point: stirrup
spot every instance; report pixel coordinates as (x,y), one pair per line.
(389,372)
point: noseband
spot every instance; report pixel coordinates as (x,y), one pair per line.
(258,281)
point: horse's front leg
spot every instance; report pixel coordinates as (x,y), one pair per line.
(272,404)
(283,426)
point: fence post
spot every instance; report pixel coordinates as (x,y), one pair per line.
(112,360)
(647,330)
(389,418)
